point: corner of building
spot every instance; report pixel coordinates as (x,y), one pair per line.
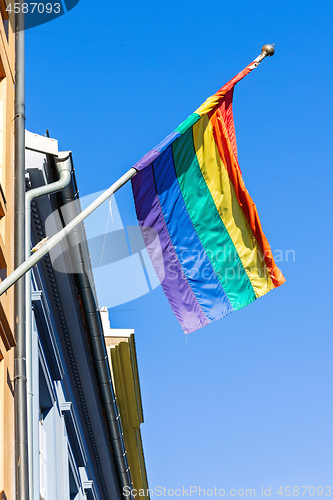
(121,350)
(7,341)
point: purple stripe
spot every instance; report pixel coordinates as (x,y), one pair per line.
(167,141)
(162,254)
(146,160)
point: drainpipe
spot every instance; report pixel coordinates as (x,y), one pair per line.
(96,337)
(64,167)
(20,384)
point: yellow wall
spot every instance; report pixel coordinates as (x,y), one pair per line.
(7,464)
(125,376)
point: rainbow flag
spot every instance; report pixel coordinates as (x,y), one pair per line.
(211,254)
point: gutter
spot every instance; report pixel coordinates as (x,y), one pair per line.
(63,167)
(96,337)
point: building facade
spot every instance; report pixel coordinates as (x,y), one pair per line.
(121,351)
(7,342)
(77,446)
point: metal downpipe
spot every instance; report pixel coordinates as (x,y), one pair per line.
(95,331)
(20,384)
(64,167)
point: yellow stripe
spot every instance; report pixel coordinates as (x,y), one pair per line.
(223,192)
(210,103)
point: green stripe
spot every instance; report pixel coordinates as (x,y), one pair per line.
(207,222)
(185,125)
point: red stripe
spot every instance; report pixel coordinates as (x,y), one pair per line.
(220,94)
(228,118)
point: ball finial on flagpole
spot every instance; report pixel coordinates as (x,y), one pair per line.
(268,49)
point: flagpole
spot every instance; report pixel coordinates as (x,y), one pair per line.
(43,247)
(267,50)
(47,244)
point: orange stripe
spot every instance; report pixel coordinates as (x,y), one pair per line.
(221,137)
(216,98)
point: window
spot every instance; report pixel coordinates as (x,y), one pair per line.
(74,480)
(4,17)
(3,265)
(42,457)
(3,121)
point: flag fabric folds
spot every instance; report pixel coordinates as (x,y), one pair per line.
(211,254)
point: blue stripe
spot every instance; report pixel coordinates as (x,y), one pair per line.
(190,252)
(162,254)
(167,141)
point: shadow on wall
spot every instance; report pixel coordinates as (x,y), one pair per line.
(3,496)
(11,388)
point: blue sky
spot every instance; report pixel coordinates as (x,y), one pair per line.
(248,401)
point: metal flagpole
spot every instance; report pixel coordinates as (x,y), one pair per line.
(46,245)
(267,50)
